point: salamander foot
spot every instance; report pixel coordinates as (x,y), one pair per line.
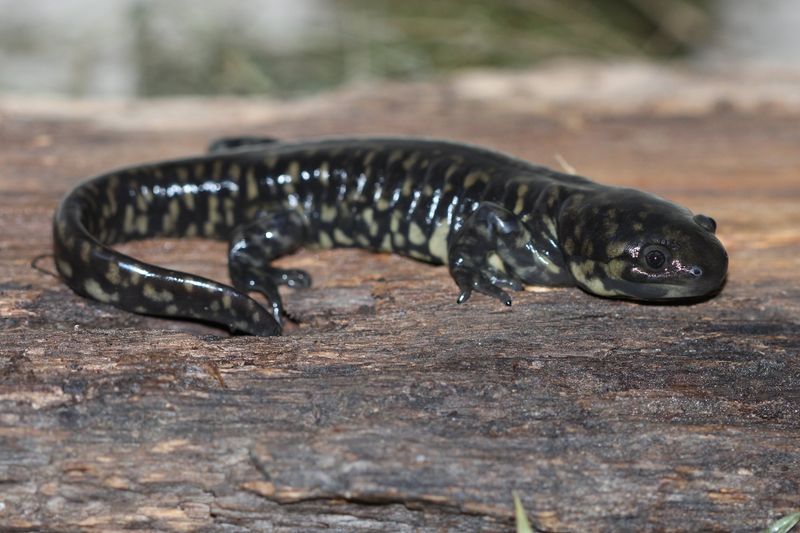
(488,282)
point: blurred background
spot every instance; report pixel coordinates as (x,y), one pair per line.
(292,48)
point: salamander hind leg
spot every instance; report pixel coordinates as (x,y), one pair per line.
(255,244)
(224,144)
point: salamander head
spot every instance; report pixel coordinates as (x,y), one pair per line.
(629,244)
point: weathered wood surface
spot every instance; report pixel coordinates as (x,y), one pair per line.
(389,407)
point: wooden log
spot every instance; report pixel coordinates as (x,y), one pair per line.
(387,406)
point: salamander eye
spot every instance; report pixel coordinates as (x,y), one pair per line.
(655,257)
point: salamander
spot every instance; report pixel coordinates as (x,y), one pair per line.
(499,223)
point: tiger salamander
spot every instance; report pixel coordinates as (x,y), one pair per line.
(499,223)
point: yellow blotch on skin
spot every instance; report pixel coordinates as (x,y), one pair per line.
(341,237)
(386,243)
(229,211)
(174,209)
(394,223)
(96,291)
(128,220)
(156,295)
(410,160)
(615,268)
(324,174)
(325,240)
(551,226)
(522,190)
(615,249)
(65,268)
(415,234)
(141,224)
(327,214)
(294,170)
(417,255)
(167,224)
(451,170)
(437,245)
(569,246)
(394,156)
(252,185)
(496,262)
(213,216)
(368,216)
(408,186)
(234,172)
(113,183)
(475,177)
(112,274)
(86,250)
(594,285)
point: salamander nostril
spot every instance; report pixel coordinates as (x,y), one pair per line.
(696,271)
(707,223)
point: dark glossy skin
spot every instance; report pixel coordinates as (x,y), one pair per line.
(497,222)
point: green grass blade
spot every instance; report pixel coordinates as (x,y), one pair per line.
(785,524)
(523,526)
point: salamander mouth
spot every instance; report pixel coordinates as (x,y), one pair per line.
(664,292)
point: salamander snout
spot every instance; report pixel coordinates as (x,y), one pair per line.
(708,273)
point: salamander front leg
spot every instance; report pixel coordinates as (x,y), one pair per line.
(254,245)
(482,253)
